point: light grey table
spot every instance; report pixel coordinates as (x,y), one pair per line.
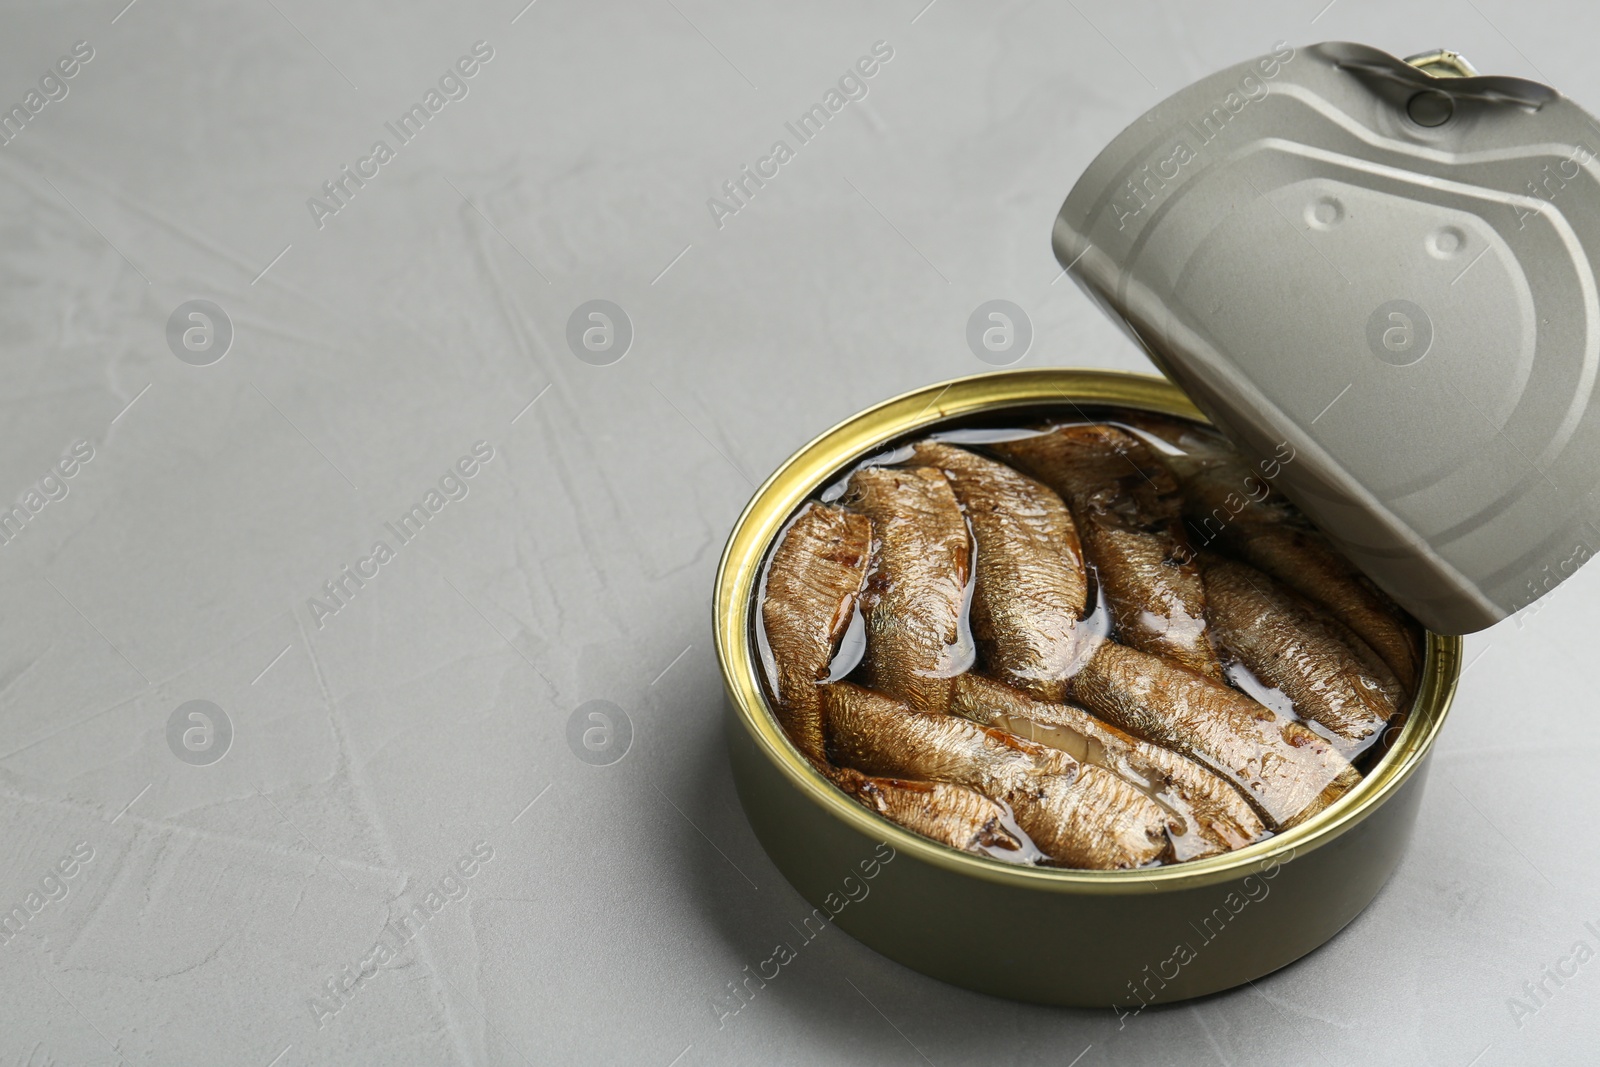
(424,724)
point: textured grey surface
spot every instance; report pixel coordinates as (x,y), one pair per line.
(375,750)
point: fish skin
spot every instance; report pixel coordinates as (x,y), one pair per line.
(812,584)
(1285,643)
(1280,765)
(1031,588)
(1306,562)
(915,600)
(951,814)
(1239,510)
(1213,815)
(1079,815)
(1335,790)
(1374,663)
(1128,510)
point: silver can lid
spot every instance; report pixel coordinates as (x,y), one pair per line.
(1389,266)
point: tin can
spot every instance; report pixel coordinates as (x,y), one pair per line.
(1119,939)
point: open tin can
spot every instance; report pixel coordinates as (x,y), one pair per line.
(1057,936)
(1128,938)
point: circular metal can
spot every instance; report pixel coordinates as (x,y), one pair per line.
(1111,939)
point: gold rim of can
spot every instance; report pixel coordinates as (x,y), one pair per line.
(825,457)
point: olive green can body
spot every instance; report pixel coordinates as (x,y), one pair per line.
(1110,939)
